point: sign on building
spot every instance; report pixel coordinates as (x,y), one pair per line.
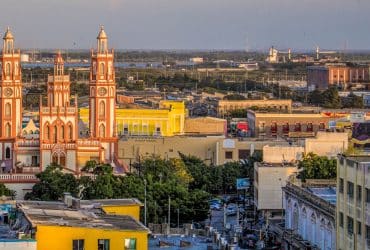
(242,183)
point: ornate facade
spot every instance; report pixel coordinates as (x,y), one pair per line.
(57,138)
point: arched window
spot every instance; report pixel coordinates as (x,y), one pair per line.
(47,132)
(62,132)
(304,224)
(101,109)
(55,133)
(295,217)
(8,130)
(312,232)
(8,109)
(7,153)
(16,68)
(102,131)
(101,68)
(7,69)
(70,132)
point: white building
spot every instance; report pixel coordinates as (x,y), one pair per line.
(310,216)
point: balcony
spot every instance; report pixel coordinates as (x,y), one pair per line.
(18,178)
(28,143)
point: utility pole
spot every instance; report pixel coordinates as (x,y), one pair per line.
(145,202)
(178,218)
(169,214)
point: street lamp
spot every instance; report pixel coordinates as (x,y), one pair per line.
(144,202)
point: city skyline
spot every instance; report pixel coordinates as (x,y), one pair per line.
(189,25)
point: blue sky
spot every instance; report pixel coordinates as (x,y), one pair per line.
(189,24)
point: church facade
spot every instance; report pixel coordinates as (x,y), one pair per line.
(57,139)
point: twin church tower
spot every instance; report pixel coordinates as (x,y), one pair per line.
(58,140)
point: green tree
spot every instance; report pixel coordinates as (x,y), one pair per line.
(52,184)
(4,191)
(353,101)
(331,98)
(313,166)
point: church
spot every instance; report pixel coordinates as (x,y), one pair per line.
(57,139)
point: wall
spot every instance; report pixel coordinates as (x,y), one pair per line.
(169,118)
(132,210)
(327,144)
(47,238)
(20,188)
(211,149)
(18,244)
(205,126)
(268,192)
(226,105)
(132,149)
(281,154)
(313,225)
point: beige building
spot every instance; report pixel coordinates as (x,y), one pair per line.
(215,150)
(224,106)
(292,125)
(353,202)
(269,178)
(327,143)
(205,126)
(282,154)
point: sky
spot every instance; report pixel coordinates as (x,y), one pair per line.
(189,24)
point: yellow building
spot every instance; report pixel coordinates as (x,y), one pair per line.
(81,224)
(118,206)
(167,120)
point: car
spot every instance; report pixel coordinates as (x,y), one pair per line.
(231,210)
(215,206)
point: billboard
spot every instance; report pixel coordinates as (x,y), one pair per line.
(242,183)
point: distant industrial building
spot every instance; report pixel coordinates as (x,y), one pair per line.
(337,74)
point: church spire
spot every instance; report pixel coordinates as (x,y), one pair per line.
(8,38)
(102,41)
(58,64)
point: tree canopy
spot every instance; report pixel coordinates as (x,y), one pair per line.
(313,166)
(188,181)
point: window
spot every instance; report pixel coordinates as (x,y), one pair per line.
(367,195)
(70,132)
(341,185)
(7,130)
(101,109)
(78,244)
(297,127)
(359,194)
(55,134)
(47,132)
(321,126)
(350,190)
(229,155)
(7,69)
(102,130)
(34,160)
(7,153)
(103,244)
(309,127)
(8,110)
(367,232)
(243,154)
(286,128)
(341,219)
(62,132)
(101,68)
(349,225)
(274,128)
(359,228)
(130,244)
